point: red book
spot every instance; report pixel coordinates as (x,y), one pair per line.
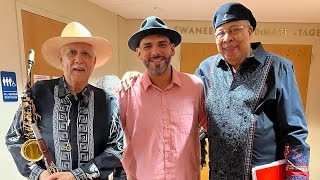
(275,171)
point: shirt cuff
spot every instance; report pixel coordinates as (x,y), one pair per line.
(79,174)
(35,173)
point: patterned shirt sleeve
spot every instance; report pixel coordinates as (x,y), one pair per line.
(116,137)
(291,114)
(14,141)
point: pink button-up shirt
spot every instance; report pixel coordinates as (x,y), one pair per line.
(161,128)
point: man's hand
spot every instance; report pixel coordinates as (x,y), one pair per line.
(128,79)
(62,176)
(44,175)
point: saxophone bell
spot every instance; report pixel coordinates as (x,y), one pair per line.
(30,151)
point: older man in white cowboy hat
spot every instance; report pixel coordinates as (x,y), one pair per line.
(161,111)
(78,122)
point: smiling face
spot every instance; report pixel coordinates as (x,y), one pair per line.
(234,46)
(155,51)
(77,62)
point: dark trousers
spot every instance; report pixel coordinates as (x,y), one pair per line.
(119,174)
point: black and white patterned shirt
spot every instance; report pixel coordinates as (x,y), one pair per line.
(89,125)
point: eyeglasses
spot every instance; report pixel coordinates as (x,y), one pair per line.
(232,31)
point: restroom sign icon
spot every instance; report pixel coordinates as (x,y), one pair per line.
(9,86)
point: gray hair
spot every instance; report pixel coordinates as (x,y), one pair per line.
(108,82)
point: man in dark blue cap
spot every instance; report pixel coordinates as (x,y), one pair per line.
(255,114)
(161,111)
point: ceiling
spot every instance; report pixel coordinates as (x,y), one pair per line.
(299,11)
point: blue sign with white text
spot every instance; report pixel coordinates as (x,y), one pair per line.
(9,86)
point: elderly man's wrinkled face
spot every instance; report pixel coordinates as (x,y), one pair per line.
(155,51)
(77,62)
(233,41)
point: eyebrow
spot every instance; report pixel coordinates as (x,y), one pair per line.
(159,42)
(165,41)
(225,29)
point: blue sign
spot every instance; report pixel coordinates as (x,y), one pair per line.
(9,86)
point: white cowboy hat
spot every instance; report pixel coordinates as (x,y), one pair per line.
(76,32)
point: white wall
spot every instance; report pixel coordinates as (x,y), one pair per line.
(127,58)
(10,61)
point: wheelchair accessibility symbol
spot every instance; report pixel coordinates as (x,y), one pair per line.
(9,86)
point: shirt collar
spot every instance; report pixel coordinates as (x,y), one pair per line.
(146,81)
(259,52)
(259,56)
(65,92)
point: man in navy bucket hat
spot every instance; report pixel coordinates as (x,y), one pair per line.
(161,110)
(255,114)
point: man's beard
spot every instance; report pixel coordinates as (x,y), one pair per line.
(158,69)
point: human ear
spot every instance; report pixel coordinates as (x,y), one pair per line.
(250,29)
(138,52)
(173,48)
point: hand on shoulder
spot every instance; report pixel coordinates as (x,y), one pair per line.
(128,80)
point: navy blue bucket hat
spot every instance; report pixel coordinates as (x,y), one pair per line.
(153,25)
(233,11)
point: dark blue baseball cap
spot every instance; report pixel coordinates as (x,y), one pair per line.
(233,11)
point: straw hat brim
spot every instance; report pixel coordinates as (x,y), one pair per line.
(50,49)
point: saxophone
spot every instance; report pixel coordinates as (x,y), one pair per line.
(35,148)
(29,150)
